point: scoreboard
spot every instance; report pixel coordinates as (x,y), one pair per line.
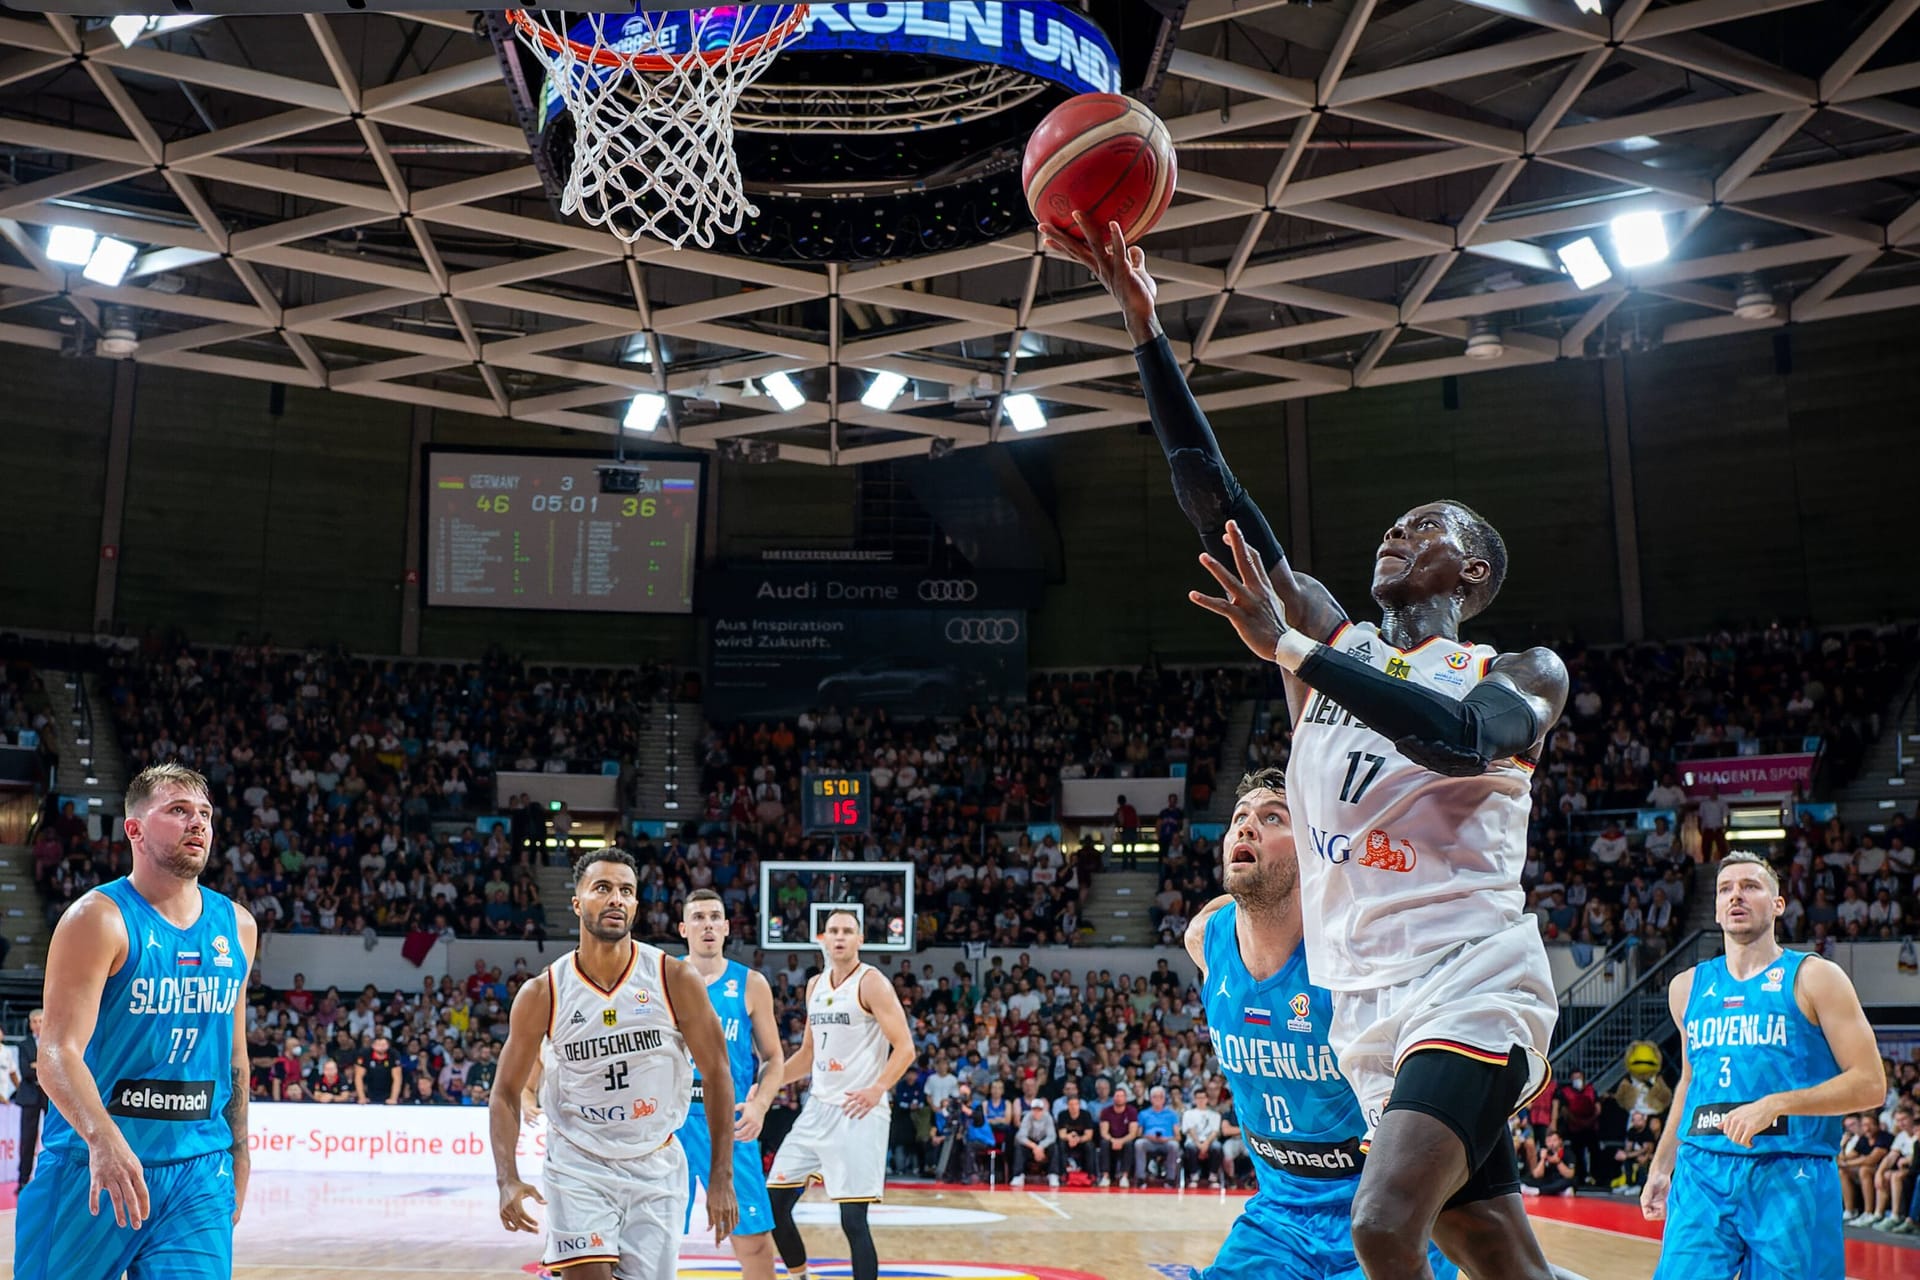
(833,804)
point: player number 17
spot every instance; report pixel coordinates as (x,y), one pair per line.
(180,1047)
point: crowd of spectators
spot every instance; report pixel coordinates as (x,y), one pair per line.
(1877,1181)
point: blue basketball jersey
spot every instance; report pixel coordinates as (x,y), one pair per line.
(1299,1116)
(1749,1039)
(162,1050)
(728,993)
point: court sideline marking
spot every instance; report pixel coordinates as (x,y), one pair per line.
(1051,1206)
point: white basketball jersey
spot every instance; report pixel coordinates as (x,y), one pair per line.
(617,1075)
(849,1048)
(1399,865)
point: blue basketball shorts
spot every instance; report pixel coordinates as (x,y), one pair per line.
(1271,1239)
(188,1233)
(749,1175)
(1761,1217)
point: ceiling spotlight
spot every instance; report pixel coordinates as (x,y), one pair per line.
(109,262)
(1588,6)
(1754,301)
(644,412)
(70,246)
(1639,239)
(883,390)
(1024,412)
(131,27)
(1581,259)
(1484,342)
(785,394)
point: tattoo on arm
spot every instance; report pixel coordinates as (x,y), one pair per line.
(236,1113)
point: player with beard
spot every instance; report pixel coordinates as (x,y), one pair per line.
(144,1062)
(620,1020)
(743,1001)
(1268,1024)
(1411,768)
(856,1047)
(1776,1050)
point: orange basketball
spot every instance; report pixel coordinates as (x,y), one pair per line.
(1105,155)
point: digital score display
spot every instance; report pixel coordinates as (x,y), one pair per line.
(835,804)
(514,531)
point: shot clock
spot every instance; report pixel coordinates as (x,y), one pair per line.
(834,804)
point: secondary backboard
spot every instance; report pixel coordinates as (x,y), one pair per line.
(797,897)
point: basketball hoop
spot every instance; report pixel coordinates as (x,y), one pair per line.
(652,96)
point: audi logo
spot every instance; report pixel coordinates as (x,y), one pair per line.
(983,630)
(949,590)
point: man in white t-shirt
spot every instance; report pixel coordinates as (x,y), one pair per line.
(1659,843)
(1200,1139)
(1869,858)
(1713,813)
(1610,846)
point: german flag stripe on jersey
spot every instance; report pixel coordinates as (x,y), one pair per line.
(1478,1054)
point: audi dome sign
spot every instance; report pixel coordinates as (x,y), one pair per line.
(782,638)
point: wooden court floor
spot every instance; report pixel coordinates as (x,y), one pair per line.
(330,1227)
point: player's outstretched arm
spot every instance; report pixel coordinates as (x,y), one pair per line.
(89,946)
(1826,995)
(1206,488)
(1499,718)
(526,1027)
(241,1067)
(883,1002)
(1653,1196)
(707,1042)
(1197,931)
(773,1061)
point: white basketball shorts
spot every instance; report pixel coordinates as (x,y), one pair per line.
(626,1212)
(1481,999)
(847,1156)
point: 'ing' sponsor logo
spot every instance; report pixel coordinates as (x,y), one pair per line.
(1335,846)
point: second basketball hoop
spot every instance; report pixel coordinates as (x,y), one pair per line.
(652,96)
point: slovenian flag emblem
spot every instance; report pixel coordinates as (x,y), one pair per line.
(1259,1017)
(672,485)
(186,957)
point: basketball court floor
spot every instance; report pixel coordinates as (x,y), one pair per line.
(325,1227)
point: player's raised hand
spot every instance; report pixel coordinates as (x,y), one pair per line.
(1250,603)
(1653,1196)
(723,1210)
(513,1210)
(114,1169)
(861,1101)
(1120,267)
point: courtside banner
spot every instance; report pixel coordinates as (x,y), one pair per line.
(345,1137)
(1760,777)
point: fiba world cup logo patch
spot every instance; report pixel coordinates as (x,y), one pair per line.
(1300,1004)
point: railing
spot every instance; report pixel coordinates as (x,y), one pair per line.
(1905,721)
(1598,1048)
(1593,991)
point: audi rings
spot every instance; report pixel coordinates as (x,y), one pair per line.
(983,630)
(948,590)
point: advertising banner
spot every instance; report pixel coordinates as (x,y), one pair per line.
(1760,777)
(337,1137)
(783,638)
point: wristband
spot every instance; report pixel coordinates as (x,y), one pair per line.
(1293,649)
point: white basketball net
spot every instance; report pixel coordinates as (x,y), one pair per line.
(653,124)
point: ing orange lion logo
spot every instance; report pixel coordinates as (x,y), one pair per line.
(596,1241)
(833,1064)
(1383,854)
(643,1107)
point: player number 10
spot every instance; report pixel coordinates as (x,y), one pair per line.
(1279,1118)
(180,1047)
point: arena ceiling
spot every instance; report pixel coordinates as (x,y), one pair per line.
(346,202)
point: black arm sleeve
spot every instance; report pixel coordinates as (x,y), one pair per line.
(1455,738)
(1207,491)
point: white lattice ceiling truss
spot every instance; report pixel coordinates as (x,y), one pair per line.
(346,202)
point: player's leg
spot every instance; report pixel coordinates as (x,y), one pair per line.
(862,1258)
(1784,1213)
(655,1188)
(698,1146)
(753,1238)
(799,1159)
(586,1203)
(1704,1234)
(53,1234)
(786,1232)
(1445,1122)
(190,1236)
(854,1171)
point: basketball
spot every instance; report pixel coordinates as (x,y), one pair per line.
(1105,155)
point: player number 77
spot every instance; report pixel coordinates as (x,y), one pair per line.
(187,1036)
